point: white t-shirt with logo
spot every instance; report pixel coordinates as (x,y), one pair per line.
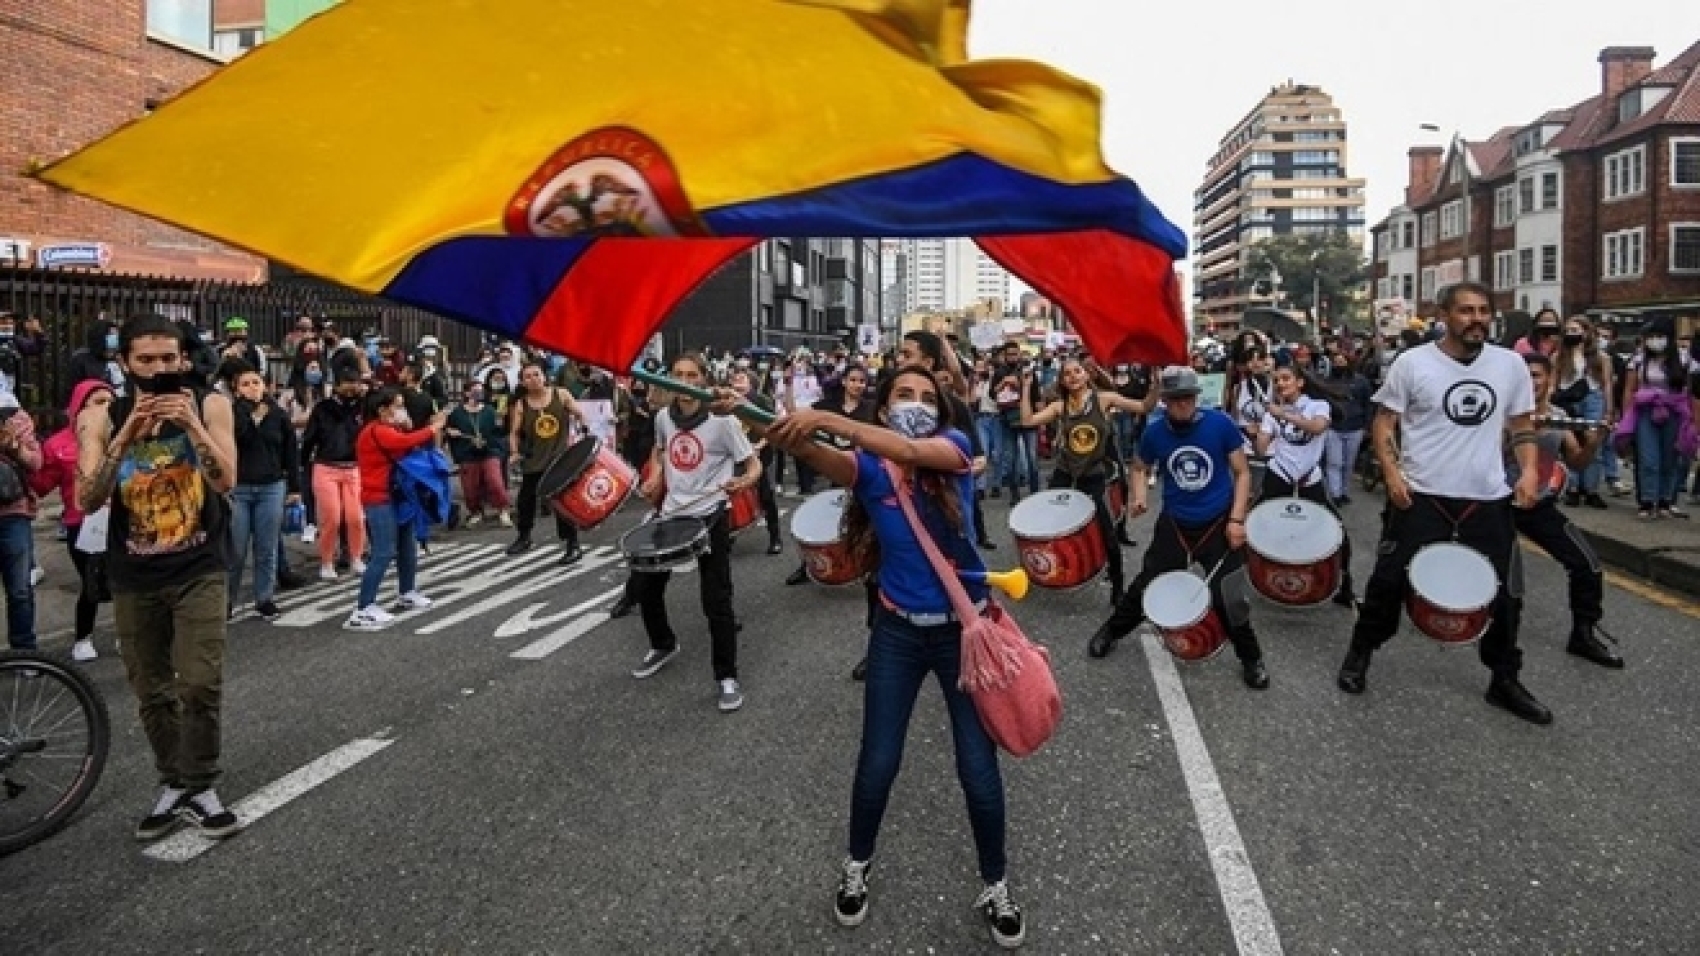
(699,461)
(1452,418)
(1294,454)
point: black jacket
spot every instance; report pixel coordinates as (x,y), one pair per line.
(266,450)
(331,429)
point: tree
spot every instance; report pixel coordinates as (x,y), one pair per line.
(1331,263)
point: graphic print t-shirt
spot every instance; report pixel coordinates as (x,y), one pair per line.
(167,524)
(699,461)
(1198,483)
(1296,455)
(1452,417)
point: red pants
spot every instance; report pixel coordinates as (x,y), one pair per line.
(482,483)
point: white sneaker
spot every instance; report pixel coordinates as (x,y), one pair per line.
(474,520)
(310,534)
(37,576)
(84,650)
(412,601)
(378,614)
(327,572)
(363,620)
(357,566)
(505,521)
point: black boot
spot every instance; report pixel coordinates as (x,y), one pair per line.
(799,576)
(1354,670)
(1586,644)
(1101,643)
(1509,694)
(1255,675)
(520,546)
(570,556)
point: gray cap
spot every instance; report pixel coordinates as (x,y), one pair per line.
(1179,382)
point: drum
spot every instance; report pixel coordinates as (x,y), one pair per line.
(744,507)
(1178,605)
(818,527)
(587,484)
(1059,540)
(1293,551)
(664,544)
(1452,591)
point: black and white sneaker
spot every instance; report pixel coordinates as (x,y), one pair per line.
(850,906)
(1003,917)
(164,818)
(653,661)
(267,610)
(203,811)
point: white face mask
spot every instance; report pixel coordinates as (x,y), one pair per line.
(1657,343)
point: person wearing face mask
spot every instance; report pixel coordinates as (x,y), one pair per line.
(388,435)
(236,346)
(1200,455)
(540,431)
(431,362)
(58,471)
(1582,388)
(1346,431)
(1661,407)
(268,479)
(328,454)
(914,632)
(97,360)
(1544,338)
(850,400)
(478,442)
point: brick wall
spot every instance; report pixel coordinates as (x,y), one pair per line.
(1655,209)
(1580,260)
(75,70)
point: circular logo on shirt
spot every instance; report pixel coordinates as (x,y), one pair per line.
(1191,467)
(548,426)
(685,451)
(1083,439)
(1470,403)
(1294,435)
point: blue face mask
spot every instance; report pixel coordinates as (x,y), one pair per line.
(913,419)
(315,378)
(112,341)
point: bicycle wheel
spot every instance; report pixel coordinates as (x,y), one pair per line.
(54,734)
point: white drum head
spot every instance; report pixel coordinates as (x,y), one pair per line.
(1050,515)
(1453,577)
(1176,599)
(1293,531)
(816,521)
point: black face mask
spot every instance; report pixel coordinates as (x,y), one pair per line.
(1571,341)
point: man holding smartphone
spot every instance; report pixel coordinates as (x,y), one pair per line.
(164,457)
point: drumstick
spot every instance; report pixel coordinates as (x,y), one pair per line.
(746,411)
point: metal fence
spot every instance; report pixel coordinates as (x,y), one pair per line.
(68,303)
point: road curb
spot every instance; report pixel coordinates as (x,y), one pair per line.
(1674,570)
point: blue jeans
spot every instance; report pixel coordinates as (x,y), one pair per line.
(1588,481)
(390,542)
(1339,460)
(899,657)
(256,518)
(1020,455)
(17,556)
(991,441)
(1656,464)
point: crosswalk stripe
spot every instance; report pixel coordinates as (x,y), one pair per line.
(594,559)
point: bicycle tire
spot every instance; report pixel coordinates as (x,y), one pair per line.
(93,706)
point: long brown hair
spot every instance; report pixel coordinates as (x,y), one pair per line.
(935,486)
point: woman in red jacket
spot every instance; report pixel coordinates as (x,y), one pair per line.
(59,471)
(388,435)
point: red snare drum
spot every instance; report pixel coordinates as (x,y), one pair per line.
(1293,551)
(818,527)
(1177,604)
(587,484)
(1059,540)
(745,508)
(1452,591)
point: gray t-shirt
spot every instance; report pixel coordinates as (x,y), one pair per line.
(697,462)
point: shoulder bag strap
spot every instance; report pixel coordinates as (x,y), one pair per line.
(965,610)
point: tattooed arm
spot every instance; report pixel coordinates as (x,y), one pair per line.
(1384,433)
(213,433)
(100,452)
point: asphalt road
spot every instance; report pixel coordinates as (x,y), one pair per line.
(427,790)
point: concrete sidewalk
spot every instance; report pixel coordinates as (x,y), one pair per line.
(1663,552)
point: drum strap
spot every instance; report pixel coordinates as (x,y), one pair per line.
(1455,521)
(1194,544)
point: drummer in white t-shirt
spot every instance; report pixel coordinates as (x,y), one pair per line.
(1451,402)
(1293,432)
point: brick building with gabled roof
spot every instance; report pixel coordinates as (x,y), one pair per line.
(1592,208)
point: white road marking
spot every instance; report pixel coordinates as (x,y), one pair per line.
(543,647)
(1248,912)
(188,843)
(590,562)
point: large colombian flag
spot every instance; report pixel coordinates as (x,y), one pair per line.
(565,171)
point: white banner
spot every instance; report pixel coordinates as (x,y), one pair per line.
(867,339)
(599,419)
(986,335)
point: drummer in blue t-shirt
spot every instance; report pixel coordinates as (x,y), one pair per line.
(914,631)
(1200,454)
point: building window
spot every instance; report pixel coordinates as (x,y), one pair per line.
(187,22)
(1626,173)
(1685,247)
(1503,265)
(1525,266)
(1405,287)
(1428,284)
(1549,263)
(1525,195)
(1685,162)
(1624,254)
(1381,288)
(1452,220)
(1549,191)
(1428,229)
(1504,206)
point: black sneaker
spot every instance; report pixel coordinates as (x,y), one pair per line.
(267,610)
(162,823)
(653,661)
(1003,917)
(519,547)
(621,608)
(290,581)
(850,906)
(203,811)
(570,557)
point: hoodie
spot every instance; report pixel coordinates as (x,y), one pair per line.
(59,456)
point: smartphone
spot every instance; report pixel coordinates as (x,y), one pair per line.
(162,383)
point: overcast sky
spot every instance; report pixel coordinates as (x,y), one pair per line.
(1175,76)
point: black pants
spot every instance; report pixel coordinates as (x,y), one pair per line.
(714,575)
(1485,526)
(769,501)
(1173,548)
(1548,527)
(1276,485)
(525,512)
(86,609)
(1097,486)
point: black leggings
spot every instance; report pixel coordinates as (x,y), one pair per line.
(86,609)
(1276,485)
(1548,527)
(1097,487)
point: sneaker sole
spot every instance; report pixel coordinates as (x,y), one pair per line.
(642,673)
(154,836)
(727,708)
(850,922)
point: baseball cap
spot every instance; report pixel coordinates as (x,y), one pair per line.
(236,324)
(1179,382)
